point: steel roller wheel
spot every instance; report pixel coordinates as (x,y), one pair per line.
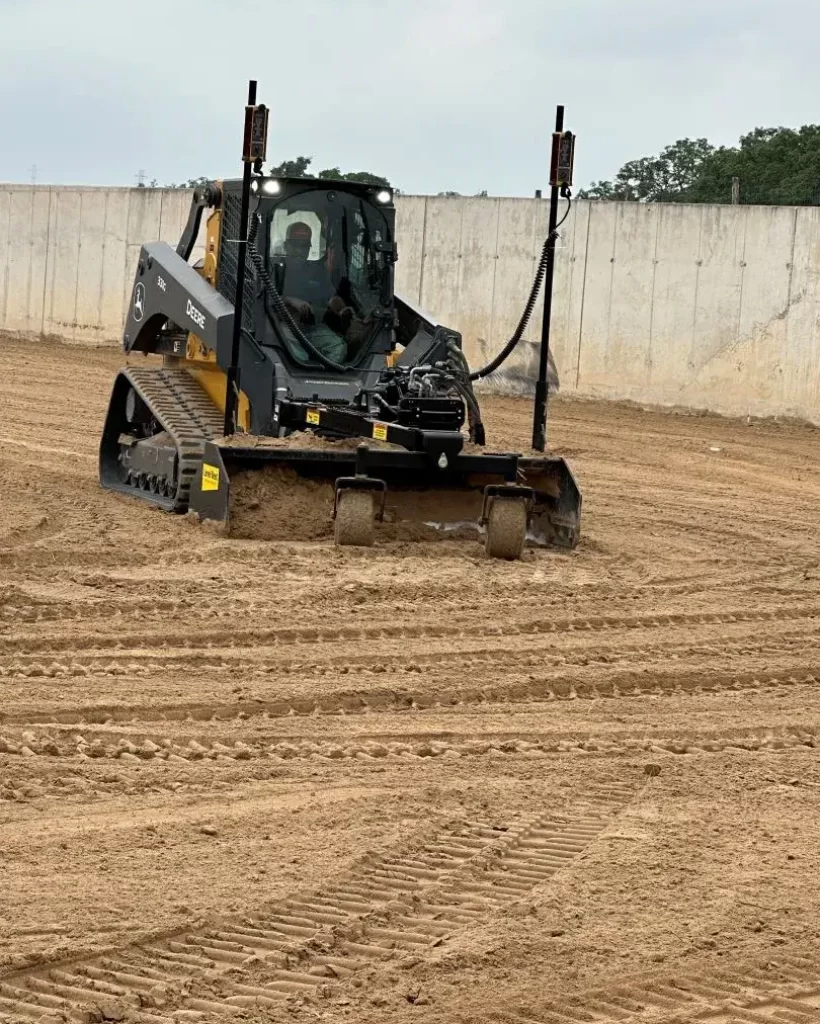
(506,528)
(354,525)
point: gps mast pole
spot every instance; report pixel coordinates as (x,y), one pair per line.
(253,155)
(563,151)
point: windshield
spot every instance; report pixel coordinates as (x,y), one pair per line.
(328,256)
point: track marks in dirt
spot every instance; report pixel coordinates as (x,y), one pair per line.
(397,632)
(308,945)
(37,772)
(503,656)
(785,988)
(146,753)
(387,700)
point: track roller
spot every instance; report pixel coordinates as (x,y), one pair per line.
(355,524)
(506,528)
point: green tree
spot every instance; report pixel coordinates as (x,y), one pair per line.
(665,178)
(292,168)
(773,165)
(366,178)
(300,168)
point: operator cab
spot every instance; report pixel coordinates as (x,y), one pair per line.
(329,252)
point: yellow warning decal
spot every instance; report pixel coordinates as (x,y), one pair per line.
(380,431)
(313,417)
(210,477)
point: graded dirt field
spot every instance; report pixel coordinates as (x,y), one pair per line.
(280,781)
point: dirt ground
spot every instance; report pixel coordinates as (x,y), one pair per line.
(279,781)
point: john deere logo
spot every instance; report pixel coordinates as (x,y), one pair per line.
(139,302)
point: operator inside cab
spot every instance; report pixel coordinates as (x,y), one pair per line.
(307,282)
(311,296)
(324,273)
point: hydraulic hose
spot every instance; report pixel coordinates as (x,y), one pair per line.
(460,376)
(476,425)
(540,272)
(281,308)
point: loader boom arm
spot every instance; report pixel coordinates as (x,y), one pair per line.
(207,196)
(166,288)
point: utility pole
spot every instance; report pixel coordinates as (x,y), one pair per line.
(33,173)
(140,178)
(735,191)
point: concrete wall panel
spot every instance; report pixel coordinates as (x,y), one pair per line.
(477,263)
(440,264)
(521,227)
(570,274)
(173,213)
(800,381)
(113,286)
(766,298)
(594,374)
(718,286)
(633,282)
(40,241)
(410,223)
(90,263)
(669,365)
(18,265)
(63,272)
(26,243)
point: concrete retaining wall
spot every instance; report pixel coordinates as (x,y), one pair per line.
(710,307)
(68,255)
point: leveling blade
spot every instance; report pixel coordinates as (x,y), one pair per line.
(246,489)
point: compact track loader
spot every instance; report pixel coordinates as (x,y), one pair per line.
(331,378)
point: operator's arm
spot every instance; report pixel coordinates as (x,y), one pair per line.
(300,307)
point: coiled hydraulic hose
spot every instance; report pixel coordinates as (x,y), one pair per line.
(281,308)
(540,272)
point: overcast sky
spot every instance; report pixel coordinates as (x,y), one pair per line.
(434,94)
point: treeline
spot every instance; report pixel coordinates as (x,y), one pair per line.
(769,166)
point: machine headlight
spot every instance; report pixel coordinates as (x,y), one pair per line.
(271,187)
(254,186)
(384,196)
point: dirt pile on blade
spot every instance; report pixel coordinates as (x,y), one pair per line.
(275,503)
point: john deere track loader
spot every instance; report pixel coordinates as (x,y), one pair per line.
(325,346)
